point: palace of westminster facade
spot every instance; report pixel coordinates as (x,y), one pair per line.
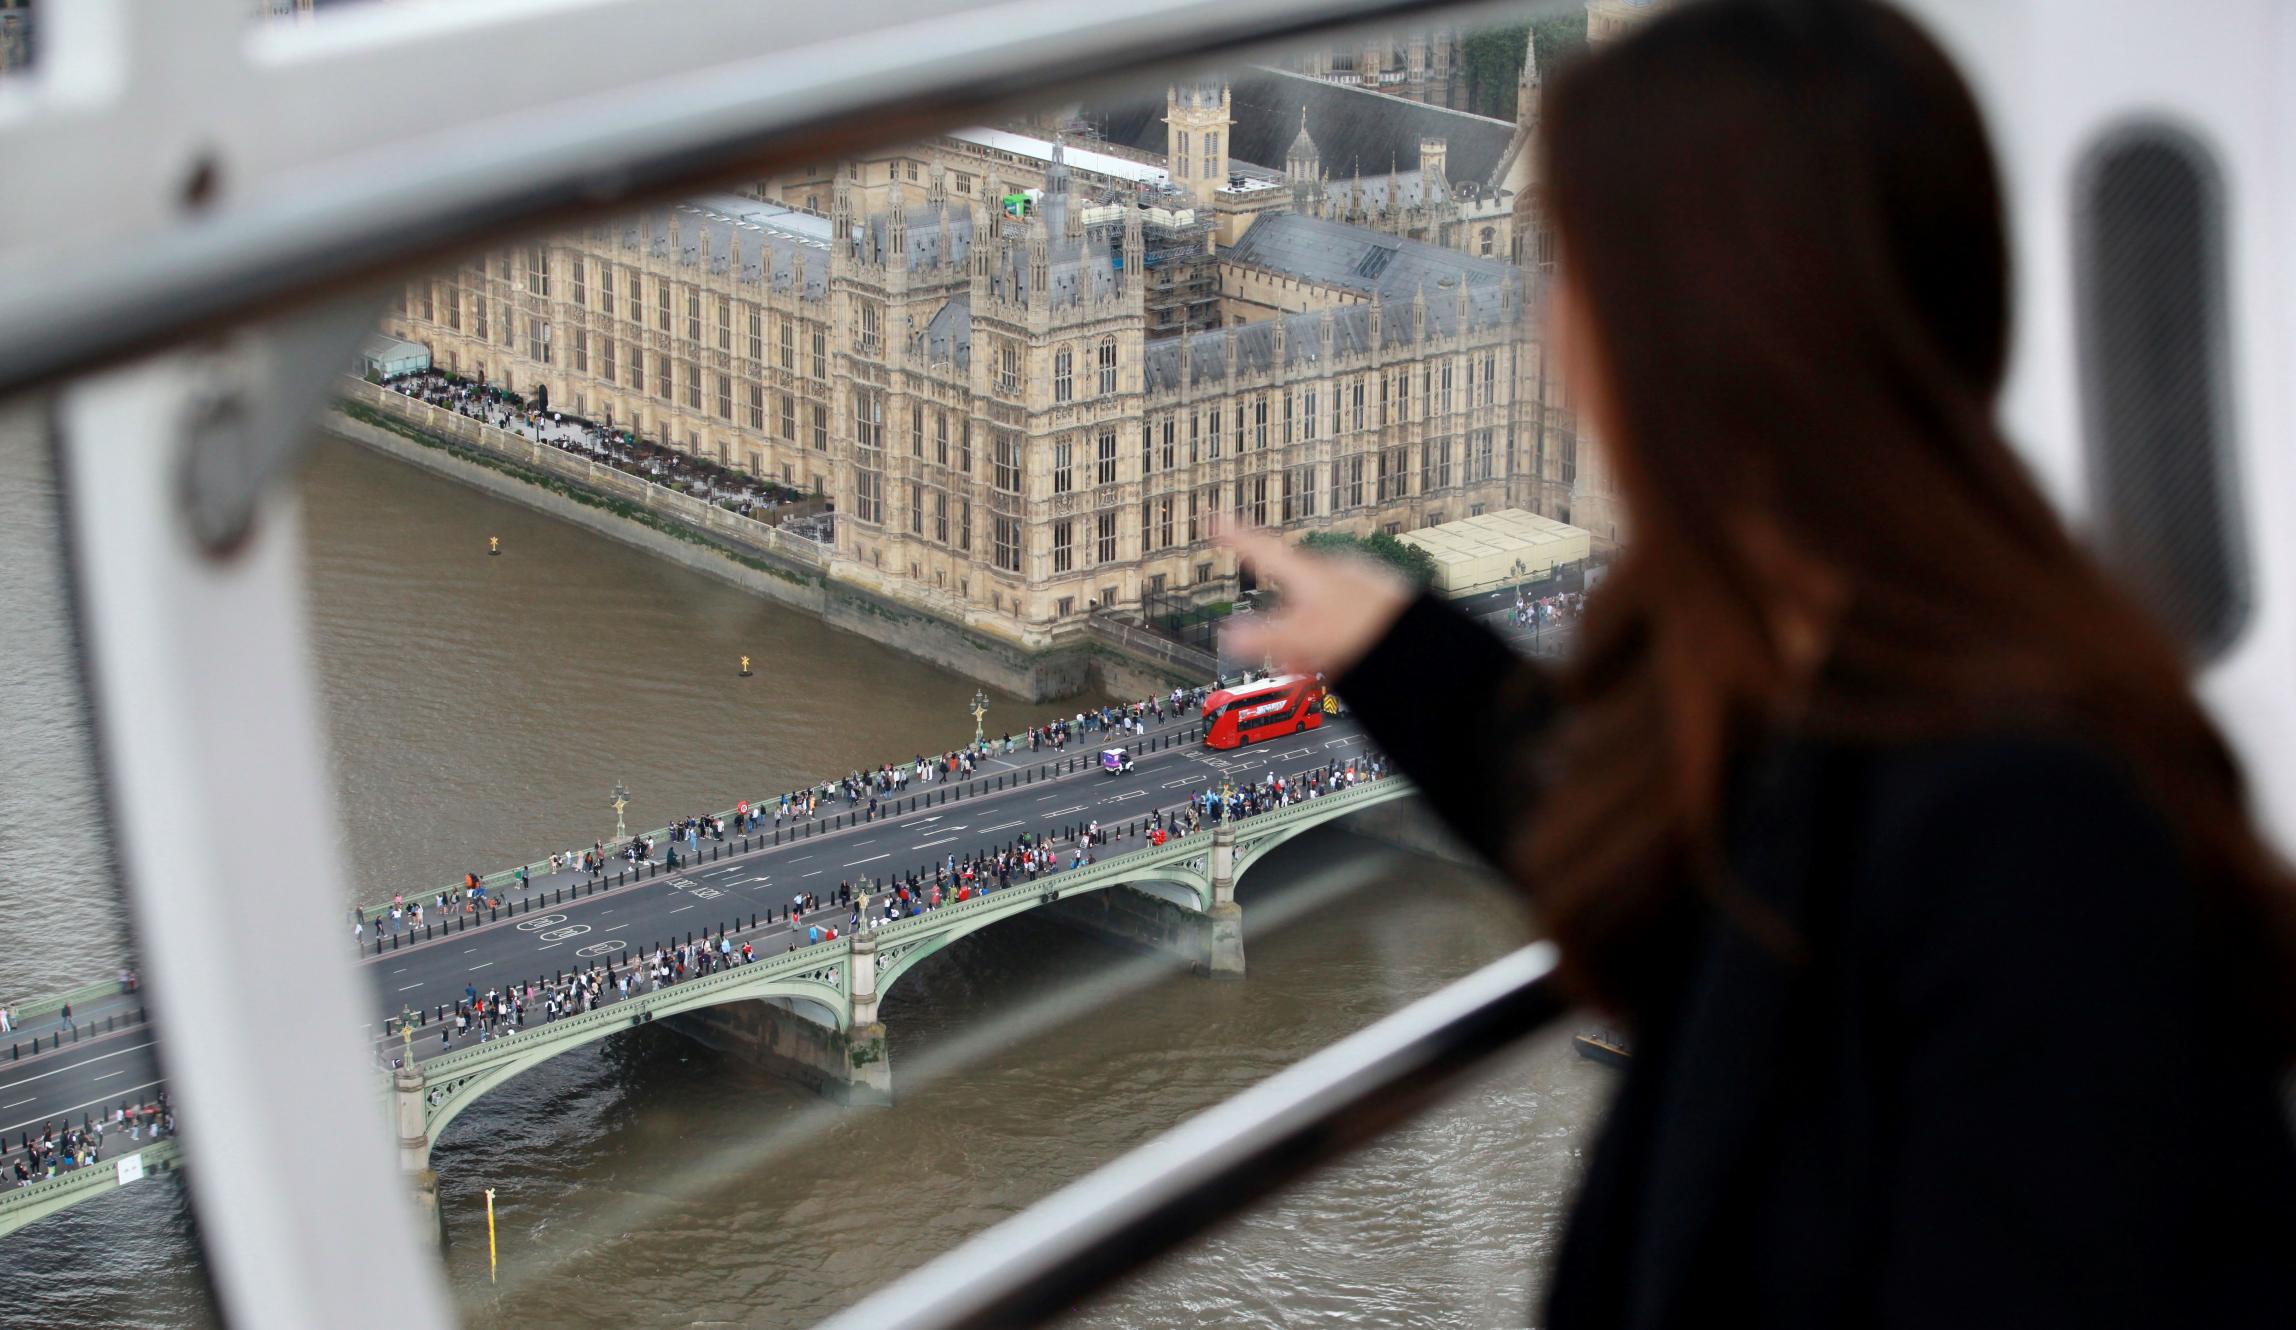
(963,350)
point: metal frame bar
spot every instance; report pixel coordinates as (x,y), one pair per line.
(246,166)
(207,724)
(1043,1261)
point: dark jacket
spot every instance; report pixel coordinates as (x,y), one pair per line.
(2003,1086)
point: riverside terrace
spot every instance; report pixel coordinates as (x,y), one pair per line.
(809,1012)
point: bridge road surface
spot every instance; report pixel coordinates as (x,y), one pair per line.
(102,1072)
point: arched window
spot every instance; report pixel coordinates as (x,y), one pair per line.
(1488,233)
(1107,365)
(1063,379)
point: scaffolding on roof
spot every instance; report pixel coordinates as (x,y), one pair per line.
(1182,288)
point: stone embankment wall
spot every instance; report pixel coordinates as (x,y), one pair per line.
(739,550)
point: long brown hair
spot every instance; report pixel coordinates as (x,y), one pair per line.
(1782,225)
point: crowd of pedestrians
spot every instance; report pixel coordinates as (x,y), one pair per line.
(871,903)
(1547,611)
(613,447)
(57,1150)
(866,793)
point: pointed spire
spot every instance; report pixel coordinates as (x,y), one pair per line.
(733,260)
(1527,83)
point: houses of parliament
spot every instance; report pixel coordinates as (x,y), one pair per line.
(1032,366)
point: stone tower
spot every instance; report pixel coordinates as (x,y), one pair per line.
(1434,179)
(1196,123)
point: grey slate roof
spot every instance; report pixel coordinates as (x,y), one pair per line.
(1206,354)
(948,335)
(1355,259)
(1356,130)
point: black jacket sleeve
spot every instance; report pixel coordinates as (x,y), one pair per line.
(1454,708)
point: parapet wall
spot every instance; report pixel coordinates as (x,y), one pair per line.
(723,546)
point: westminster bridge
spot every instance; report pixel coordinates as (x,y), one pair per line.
(807,1010)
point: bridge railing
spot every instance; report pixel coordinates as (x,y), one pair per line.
(1120,867)
(22,1204)
(31,1009)
(831,954)
(1179,727)
(478,1057)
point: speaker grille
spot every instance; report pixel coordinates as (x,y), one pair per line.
(2155,379)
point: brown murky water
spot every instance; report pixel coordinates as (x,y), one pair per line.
(482,708)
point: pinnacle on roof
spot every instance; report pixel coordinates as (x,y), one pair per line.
(1302,145)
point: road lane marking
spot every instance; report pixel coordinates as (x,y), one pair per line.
(56,1113)
(681,909)
(859,843)
(18,1104)
(1063,812)
(106,1076)
(815,873)
(1000,827)
(870,860)
(1054,795)
(1120,798)
(1181,783)
(410,988)
(801,858)
(481,965)
(931,843)
(100,1057)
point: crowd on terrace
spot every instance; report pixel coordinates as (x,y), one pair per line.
(618,448)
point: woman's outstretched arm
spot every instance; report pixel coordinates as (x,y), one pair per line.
(1446,700)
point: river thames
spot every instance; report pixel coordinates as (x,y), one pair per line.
(481,709)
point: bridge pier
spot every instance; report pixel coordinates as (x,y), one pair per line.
(1224,940)
(414,1146)
(849,1066)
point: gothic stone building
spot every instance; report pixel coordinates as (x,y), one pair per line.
(976,392)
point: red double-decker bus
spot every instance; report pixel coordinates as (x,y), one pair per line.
(1285,704)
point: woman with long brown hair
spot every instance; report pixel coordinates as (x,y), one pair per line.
(1958,976)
